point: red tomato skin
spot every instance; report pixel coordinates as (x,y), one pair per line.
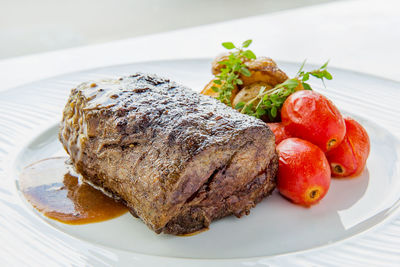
(302,167)
(311,116)
(279,131)
(352,153)
(342,159)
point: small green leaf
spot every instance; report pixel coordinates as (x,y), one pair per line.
(230,87)
(249,109)
(217,82)
(247,43)
(230,78)
(325,65)
(327,75)
(215,89)
(290,83)
(306,77)
(245,72)
(274,112)
(274,98)
(239,81)
(249,54)
(232,57)
(268,103)
(317,74)
(260,112)
(236,67)
(306,86)
(239,105)
(228,45)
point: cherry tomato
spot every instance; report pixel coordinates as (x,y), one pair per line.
(350,157)
(304,174)
(279,131)
(311,116)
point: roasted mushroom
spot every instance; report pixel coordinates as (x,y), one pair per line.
(263,69)
(215,66)
(249,92)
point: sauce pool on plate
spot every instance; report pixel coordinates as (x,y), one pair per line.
(52,187)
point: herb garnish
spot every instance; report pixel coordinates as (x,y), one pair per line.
(231,70)
(269,101)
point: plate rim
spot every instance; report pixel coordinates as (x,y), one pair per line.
(359,73)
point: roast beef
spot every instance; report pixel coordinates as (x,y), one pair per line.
(176,158)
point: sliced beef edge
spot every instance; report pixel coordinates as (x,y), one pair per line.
(216,199)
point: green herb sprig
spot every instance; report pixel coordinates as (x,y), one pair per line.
(269,101)
(319,73)
(228,78)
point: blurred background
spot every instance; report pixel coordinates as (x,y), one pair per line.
(28,26)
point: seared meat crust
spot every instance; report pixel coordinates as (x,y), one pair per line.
(176,158)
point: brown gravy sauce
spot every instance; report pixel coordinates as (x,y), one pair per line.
(54,189)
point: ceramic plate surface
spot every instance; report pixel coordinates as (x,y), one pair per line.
(361,213)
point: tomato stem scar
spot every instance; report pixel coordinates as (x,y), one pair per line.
(314,194)
(338,169)
(331,143)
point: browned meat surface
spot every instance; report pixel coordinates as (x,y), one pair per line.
(176,158)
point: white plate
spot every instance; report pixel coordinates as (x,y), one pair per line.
(276,232)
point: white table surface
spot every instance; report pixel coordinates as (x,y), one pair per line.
(358,35)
